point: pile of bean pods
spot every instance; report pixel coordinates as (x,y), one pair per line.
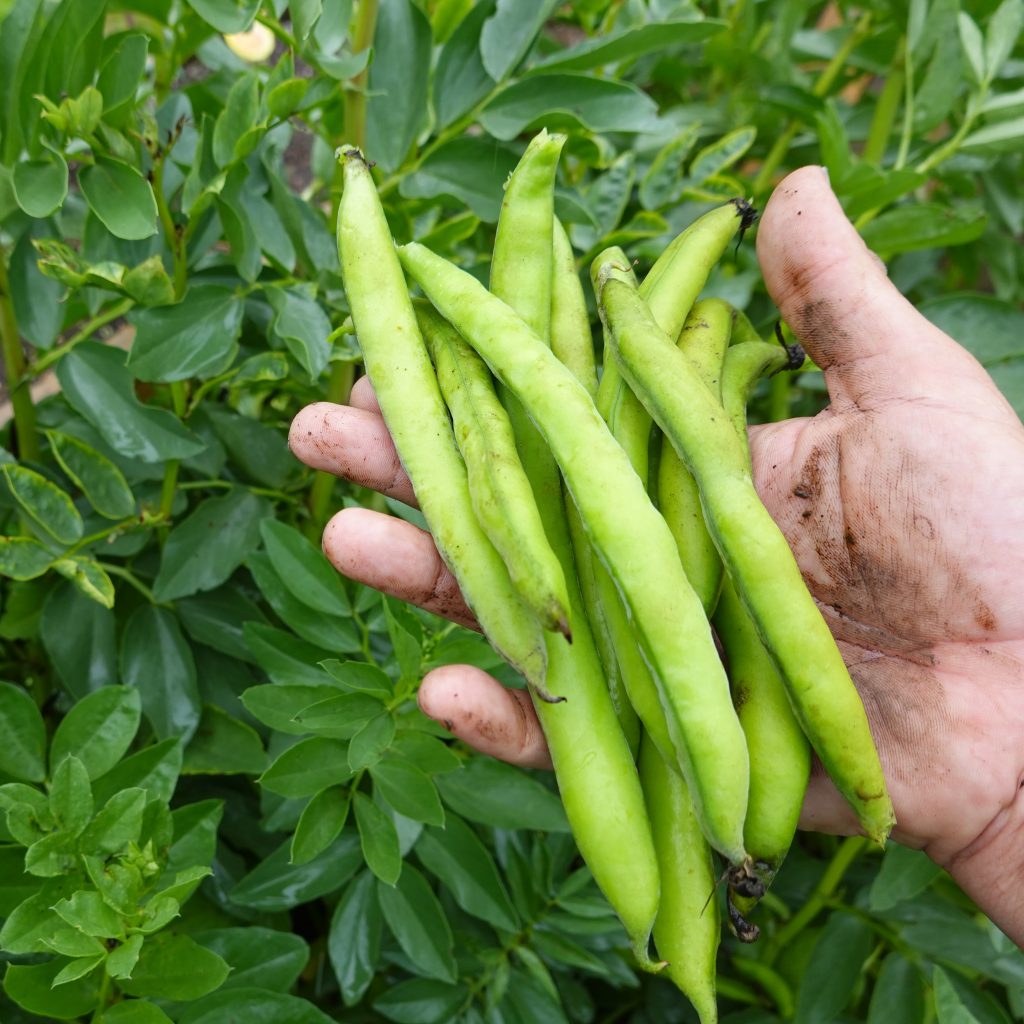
(602,578)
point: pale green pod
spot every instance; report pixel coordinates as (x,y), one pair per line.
(755,552)
(628,533)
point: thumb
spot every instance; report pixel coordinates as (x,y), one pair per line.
(834,293)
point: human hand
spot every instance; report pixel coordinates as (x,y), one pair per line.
(904,504)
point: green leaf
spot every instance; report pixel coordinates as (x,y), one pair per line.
(258,451)
(134,1011)
(370,742)
(303,326)
(217,618)
(98,729)
(149,283)
(416,920)
(70,796)
(304,569)
(102,483)
(276,884)
(117,824)
(341,715)
(121,71)
(22,558)
(45,503)
(121,197)
(40,186)
(408,790)
(206,548)
(378,839)
(33,921)
(428,753)
(833,969)
(226,15)
(254,1006)
(89,577)
(460,860)
(924,226)
(460,79)
(278,705)
(239,227)
(94,380)
(1001,137)
(38,306)
(175,967)
(31,988)
(472,170)
(509,33)
(662,181)
(307,767)
(361,677)
(154,769)
(421,1001)
(494,793)
(284,657)
(257,955)
(396,107)
(973,44)
(903,875)
(197,337)
(949,1008)
(87,912)
(353,943)
(52,856)
(223,745)
(283,99)
(990,329)
(628,44)
(71,942)
(571,103)
(195,834)
(22,735)
(78,635)
(331,632)
(721,154)
(305,14)
(321,821)
(898,995)
(1001,33)
(240,112)
(157,660)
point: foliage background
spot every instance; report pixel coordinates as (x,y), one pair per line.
(219,797)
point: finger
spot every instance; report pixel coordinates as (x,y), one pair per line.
(397,558)
(835,294)
(364,397)
(351,443)
(477,709)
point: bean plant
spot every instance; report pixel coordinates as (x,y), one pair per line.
(219,799)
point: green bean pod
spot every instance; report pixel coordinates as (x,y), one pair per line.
(573,344)
(754,551)
(780,758)
(587,746)
(704,339)
(397,363)
(687,928)
(629,535)
(571,339)
(501,493)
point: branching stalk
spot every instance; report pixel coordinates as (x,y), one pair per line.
(14,366)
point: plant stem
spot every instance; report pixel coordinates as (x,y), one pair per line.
(849,850)
(771,982)
(175,239)
(778,397)
(86,331)
(338,388)
(112,569)
(171,469)
(820,88)
(908,110)
(735,990)
(14,366)
(355,94)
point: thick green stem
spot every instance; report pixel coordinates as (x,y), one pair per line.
(14,366)
(820,88)
(338,388)
(355,94)
(180,400)
(173,236)
(849,850)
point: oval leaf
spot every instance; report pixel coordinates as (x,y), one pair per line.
(121,197)
(47,505)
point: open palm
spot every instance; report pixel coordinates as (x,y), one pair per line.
(904,504)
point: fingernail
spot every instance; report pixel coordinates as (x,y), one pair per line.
(824,170)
